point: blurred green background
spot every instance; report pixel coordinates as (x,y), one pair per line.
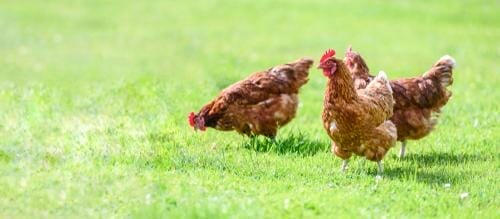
(94,97)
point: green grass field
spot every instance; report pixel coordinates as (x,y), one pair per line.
(94,97)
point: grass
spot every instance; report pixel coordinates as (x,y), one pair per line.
(94,97)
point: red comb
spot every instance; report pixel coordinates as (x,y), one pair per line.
(329,53)
(191,119)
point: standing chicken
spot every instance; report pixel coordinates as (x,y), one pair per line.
(418,100)
(357,122)
(257,105)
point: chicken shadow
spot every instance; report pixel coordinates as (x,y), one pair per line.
(416,168)
(436,158)
(423,175)
(297,144)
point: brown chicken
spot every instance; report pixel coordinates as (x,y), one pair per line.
(418,100)
(357,122)
(257,105)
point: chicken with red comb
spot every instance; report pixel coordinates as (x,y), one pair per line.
(357,122)
(257,105)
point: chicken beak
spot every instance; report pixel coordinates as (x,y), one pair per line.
(199,125)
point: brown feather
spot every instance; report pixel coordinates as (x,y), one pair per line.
(261,103)
(357,122)
(418,99)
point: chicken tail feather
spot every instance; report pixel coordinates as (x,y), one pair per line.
(382,76)
(442,70)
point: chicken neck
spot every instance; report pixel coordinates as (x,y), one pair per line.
(340,86)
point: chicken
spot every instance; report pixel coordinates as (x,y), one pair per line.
(418,100)
(257,105)
(357,122)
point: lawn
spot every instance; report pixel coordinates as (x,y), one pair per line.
(94,97)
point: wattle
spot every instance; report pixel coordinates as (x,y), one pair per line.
(326,72)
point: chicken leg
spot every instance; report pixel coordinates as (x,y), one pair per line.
(344,165)
(402,150)
(380,168)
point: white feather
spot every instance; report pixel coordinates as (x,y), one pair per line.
(382,75)
(333,126)
(450,59)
